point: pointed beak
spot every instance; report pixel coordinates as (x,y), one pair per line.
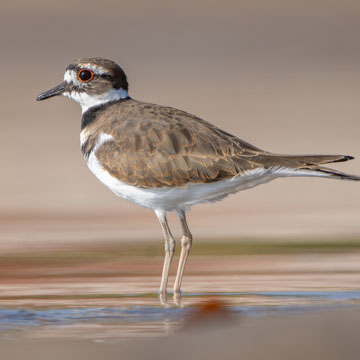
(57,90)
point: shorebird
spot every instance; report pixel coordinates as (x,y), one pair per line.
(166,159)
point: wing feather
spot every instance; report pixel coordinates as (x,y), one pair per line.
(159,146)
(156,146)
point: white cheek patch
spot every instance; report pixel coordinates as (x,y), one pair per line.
(74,95)
(88,101)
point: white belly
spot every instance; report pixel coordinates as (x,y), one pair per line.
(179,198)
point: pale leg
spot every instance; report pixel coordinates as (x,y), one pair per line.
(186,242)
(169,251)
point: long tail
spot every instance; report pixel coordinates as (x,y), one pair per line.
(310,165)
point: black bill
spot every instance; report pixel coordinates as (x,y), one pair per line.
(57,90)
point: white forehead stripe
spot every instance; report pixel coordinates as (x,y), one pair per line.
(95,68)
(69,76)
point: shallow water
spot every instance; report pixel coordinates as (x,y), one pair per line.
(109,300)
(144,316)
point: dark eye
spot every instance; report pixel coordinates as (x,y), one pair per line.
(85,75)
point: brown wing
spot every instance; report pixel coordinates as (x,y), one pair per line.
(158,146)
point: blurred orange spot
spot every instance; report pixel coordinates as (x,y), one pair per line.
(209,314)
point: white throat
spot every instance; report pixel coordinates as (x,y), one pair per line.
(87,101)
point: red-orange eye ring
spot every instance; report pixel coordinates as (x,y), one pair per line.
(85,75)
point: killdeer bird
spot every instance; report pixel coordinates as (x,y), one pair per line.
(166,159)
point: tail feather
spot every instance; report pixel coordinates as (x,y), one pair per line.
(317,159)
(311,165)
(336,174)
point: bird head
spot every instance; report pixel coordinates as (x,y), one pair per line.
(91,82)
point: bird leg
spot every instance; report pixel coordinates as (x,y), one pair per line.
(186,242)
(169,251)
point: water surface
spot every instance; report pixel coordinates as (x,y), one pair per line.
(143,316)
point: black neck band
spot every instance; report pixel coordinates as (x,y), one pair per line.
(90,114)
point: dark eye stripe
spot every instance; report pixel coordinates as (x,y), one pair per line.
(106,76)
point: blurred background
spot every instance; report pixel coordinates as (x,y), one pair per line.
(281,75)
